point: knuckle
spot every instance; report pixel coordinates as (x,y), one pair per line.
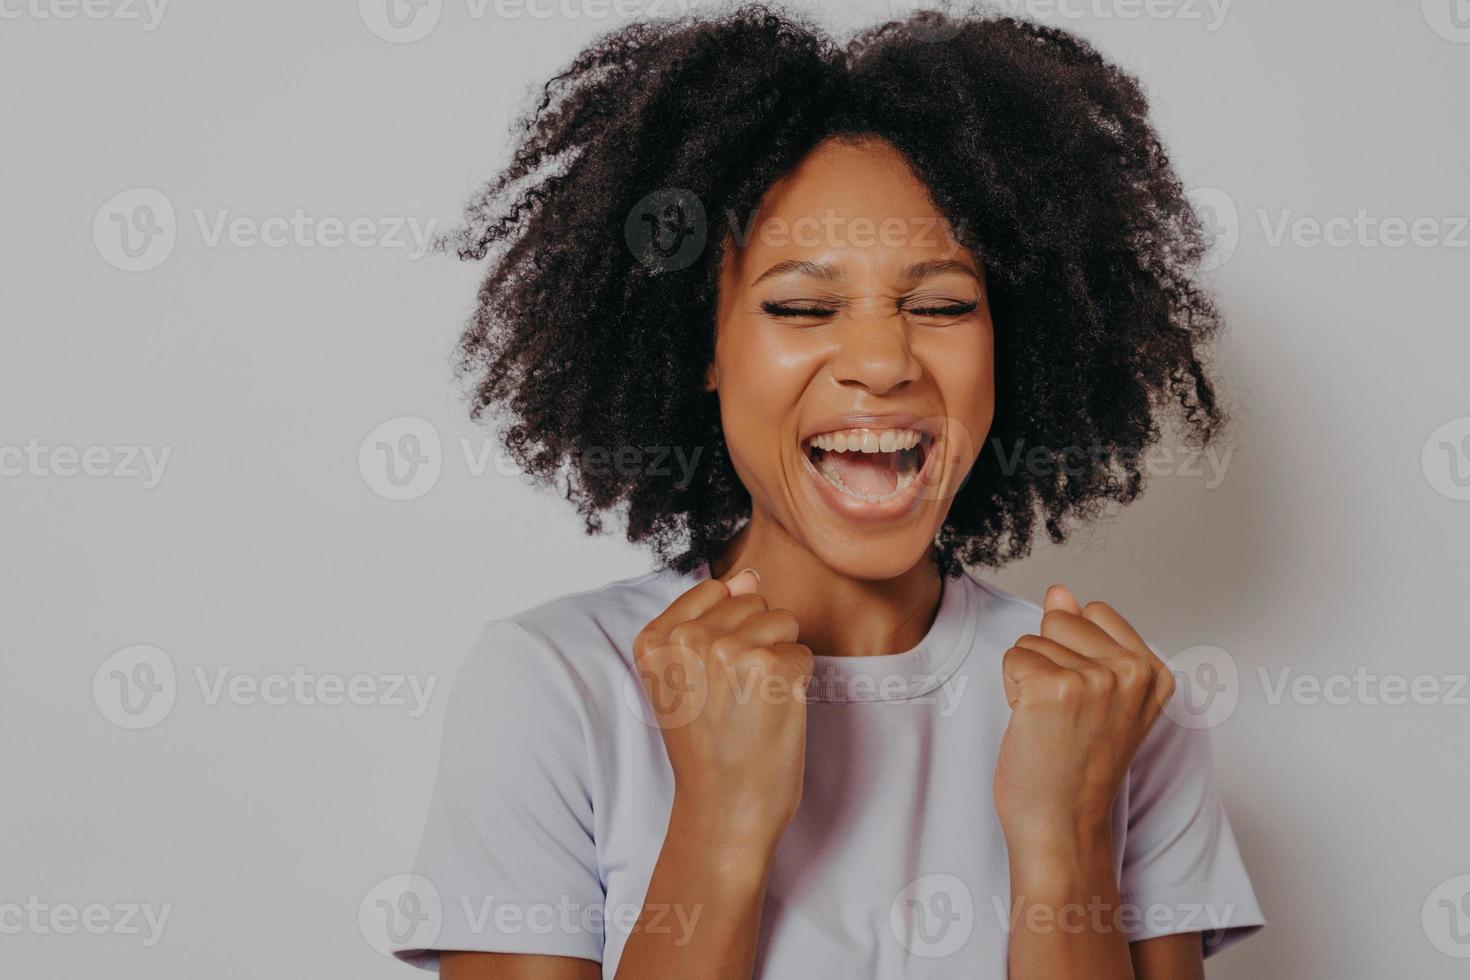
(786,619)
(1068,689)
(764,657)
(1133,673)
(725,648)
(754,601)
(690,634)
(1099,680)
(1167,683)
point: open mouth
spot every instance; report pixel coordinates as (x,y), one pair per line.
(871,465)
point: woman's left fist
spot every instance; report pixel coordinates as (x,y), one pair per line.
(1083,694)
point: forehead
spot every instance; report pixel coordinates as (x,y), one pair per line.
(848,203)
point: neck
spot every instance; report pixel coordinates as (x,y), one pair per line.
(839,615)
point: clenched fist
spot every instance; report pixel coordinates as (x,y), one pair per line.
(1083,694)
(726,680)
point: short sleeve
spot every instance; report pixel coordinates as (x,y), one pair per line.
(508,851)
(1182,870)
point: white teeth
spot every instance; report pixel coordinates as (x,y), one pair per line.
(867,440)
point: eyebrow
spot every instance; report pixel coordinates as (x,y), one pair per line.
(827,272)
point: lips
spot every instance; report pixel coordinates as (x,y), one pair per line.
(872,465)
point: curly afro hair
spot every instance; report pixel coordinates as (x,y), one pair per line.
(1037,151)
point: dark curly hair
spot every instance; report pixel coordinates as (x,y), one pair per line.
(1037,151)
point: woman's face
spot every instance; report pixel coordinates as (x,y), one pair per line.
(854,360)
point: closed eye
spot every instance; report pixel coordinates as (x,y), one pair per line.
(797,310)
(952,309)
(783,309)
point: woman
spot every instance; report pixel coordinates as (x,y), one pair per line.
(825,326)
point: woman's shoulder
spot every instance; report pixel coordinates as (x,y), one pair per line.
(1000,613)
(573,641)
(589,621)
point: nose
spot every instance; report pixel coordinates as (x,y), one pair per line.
(873,354)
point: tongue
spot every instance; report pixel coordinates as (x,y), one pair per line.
(873,474)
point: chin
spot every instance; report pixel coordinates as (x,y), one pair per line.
(870,555)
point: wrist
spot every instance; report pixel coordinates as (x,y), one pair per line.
(734,847)
(1061,849)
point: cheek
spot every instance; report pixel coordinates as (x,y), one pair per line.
(761,386)
(965,372)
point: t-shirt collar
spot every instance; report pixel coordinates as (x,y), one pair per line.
(897,676)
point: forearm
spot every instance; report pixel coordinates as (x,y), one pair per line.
(701,916)
(1065,920)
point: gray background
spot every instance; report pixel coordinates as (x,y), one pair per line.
(1334,545)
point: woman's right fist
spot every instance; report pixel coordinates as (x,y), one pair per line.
(726,682)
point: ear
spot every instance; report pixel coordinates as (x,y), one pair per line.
(711,378)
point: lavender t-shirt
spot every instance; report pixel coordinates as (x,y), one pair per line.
(554,792)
